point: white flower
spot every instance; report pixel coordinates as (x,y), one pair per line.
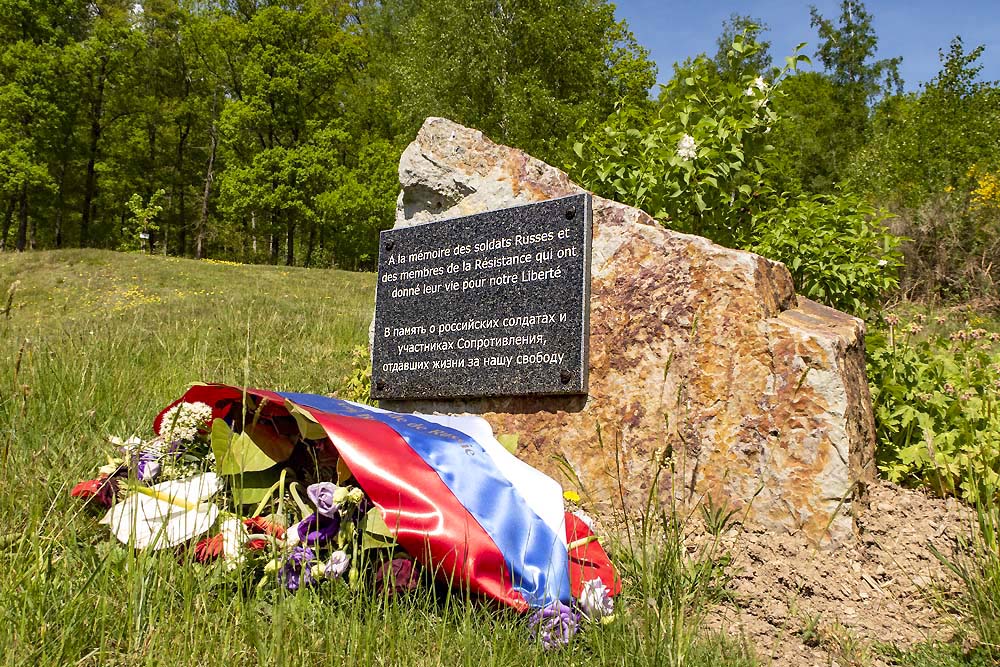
(595,600)
(166,514)
(292,535)
(234,537)
(882,262)
(687,149)
(182,421)
(337,565)
(755,85)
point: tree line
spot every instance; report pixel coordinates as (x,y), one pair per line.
(270,131)
(265,131)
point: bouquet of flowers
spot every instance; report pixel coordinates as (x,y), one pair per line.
(294,490)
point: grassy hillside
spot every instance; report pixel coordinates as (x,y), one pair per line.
(95,343)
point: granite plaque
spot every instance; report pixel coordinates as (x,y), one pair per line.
(494,304)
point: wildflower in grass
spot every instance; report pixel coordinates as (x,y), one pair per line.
(296,571)
(321,494)
(183,421)
(571,496)
(316,529)
(554,625)
(891,319)
(595,600)
(687,149)
(102,489)
(397,576)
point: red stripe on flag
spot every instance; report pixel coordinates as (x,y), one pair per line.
(428,520)
(588,561)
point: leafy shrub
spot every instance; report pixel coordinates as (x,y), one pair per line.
(837,247)
(699,163)
(357,385)
(937,414)
(702,164)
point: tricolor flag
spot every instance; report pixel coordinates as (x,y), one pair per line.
(455,498)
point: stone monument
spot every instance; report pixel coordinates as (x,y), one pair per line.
(696,351)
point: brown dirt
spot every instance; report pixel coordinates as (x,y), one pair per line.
(799,605)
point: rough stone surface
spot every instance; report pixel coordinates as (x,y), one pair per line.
(702,359)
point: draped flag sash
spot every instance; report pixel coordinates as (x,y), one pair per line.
(454,498)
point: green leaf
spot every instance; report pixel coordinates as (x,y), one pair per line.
(250,488)
(238,453)
(509,441)
(375,534)
(578,149)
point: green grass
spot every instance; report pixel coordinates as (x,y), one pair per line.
(94,345)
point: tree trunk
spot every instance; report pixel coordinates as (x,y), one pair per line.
(179,179)
(22,220)
(60,200)
(203,218)
(90,188)
(8,218)
(310,246)
(290,246)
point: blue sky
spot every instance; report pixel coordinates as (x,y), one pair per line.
(914,29)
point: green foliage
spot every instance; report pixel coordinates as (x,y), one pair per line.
(523,73)
(828,113)
(702,164)
(837,247)
(357,386)
(934,157)
(937,416)
(699,163)
(143,221)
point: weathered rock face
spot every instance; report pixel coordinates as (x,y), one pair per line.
(696,350)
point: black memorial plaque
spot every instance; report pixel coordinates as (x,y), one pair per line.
(494,304)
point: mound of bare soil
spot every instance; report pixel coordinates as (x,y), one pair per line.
(799,605)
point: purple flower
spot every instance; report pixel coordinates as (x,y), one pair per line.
(397,576)
(315,529)
(147,467)
(295,572)
(321,494)
(554,625)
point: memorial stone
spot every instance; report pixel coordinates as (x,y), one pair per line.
(493,304)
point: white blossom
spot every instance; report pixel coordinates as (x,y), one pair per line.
(755,85)
(595,600)
(181,422)
(687,149)
(234,537)
(882,263)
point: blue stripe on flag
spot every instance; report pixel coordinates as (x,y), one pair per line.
(535,556)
